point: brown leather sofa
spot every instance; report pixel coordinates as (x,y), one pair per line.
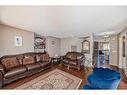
(14,67)
(73,60)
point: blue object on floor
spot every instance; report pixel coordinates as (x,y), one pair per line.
(103,78)
(90,87)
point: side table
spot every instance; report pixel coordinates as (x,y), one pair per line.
(55,60)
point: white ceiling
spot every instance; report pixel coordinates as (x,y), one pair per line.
(65,21)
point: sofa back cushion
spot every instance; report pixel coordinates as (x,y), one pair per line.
(71,56)
(45,57)
(28,60)
(20,58)
(9,63)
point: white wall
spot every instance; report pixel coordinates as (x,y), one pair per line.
(51,48)
(66,44)
(1,44)
(113,57)
(7,45)
(101,39)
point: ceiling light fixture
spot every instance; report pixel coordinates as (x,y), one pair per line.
(106,36)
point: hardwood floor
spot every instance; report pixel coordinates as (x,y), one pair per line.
(81,74)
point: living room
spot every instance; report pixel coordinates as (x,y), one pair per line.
(68,53)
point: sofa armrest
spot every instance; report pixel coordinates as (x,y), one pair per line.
(1,79)
(2,69)
(62,57)
(1,75)
(81,60)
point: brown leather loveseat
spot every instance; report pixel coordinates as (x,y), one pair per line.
(73,60)
(13,67)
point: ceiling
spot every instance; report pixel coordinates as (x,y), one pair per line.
(65,21)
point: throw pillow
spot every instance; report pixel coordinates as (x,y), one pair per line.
(28,60)
(10,63)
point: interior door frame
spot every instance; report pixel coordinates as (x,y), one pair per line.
(126,52)
(121,50)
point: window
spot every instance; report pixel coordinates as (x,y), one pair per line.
(105,46)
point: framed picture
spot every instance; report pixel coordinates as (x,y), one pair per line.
(18,40)
(39,42)
(86,46)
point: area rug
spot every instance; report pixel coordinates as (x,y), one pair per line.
(56,79)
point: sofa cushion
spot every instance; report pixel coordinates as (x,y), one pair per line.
(73,62)
(65,61)
(32,66)
(44,64)
(10,63)
(68,55)
(71,56)
(15,71)
(28,60)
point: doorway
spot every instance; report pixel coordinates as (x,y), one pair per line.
(101,53)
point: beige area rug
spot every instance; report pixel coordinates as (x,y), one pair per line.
(56,79)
